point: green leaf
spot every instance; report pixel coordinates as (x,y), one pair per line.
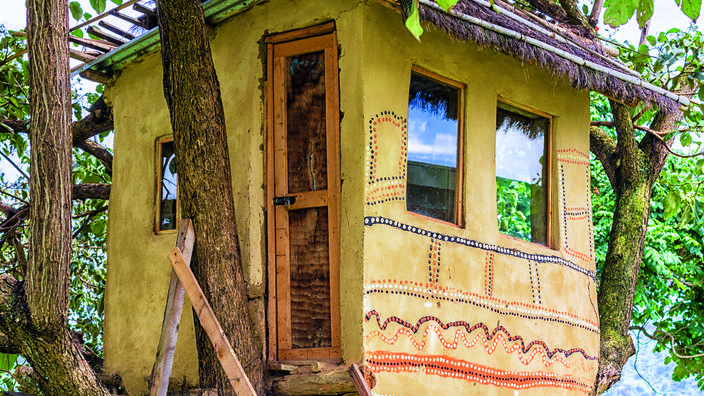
(644,12)
(685,139)
(76,10)
(413,21)
(447,4)
(651,39)
(7,362)
(692,8)
(98,5)
(118,2)
(618,12)
(671,204)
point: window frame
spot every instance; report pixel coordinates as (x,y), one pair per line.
(459,182)
(548,147)
(157,212)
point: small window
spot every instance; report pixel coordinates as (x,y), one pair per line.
(522,160)
(167,197)
(434,147)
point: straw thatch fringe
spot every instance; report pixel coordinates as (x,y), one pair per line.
(578,76)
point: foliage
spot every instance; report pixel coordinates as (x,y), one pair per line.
(513,208)
(619,12)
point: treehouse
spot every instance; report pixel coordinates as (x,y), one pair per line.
(421,208)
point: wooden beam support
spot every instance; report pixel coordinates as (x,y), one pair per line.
(359,381)
(99,45)
(159,383)
(230,364)
(129,19)
(144,10)
(81,55)
(105,36)
(116,30)
(328,383)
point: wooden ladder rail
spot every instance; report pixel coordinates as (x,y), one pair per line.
(180,260)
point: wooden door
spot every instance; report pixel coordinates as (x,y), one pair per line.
(303,194)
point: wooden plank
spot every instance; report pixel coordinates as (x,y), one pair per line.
(105,36)
(301,33)
(145,10)
(99,45)
(81,56)
(270,215)
(129,19)
(359,382)
(161,371)
(332,96)
(312,199)
(116,30)
(329,383)
(309,353)
(230,364)
(303,46)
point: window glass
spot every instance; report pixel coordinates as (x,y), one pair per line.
(433,129)
(521,173)
(167,186)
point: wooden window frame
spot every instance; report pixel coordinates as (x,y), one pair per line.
(157,206)
(316,38)
(459,183)
(551,241)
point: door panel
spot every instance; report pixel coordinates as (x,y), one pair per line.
(303,185)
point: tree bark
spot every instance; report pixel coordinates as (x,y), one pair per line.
(632,168)
(34,313)
(192,93)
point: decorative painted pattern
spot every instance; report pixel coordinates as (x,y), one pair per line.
(571,157)
(371,221)
(460,339)
(509,308)
(434,261)
(534,282)
(488,273)
(392,187)
(444,366)
(519,344)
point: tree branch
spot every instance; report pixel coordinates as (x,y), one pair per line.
(596,11)
(604,148)
(96,150)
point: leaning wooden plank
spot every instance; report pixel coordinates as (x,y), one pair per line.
(116,30)
(359,382)
(161,371)
(105,36)
(230,364)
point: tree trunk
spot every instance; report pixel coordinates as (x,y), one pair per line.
(34,314)
(205,194)
(632,168)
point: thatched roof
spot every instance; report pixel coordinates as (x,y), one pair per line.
(574,56)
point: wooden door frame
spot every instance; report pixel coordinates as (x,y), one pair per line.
(317,38)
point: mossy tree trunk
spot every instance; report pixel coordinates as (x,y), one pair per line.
(632,168)
(33,313)
(205,193)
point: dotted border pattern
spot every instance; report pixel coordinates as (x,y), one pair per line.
(371,221)
(387,188)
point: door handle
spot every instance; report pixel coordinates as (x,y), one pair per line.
(285,201)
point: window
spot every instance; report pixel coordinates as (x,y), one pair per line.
(435,107)
(522,183)
(166,195)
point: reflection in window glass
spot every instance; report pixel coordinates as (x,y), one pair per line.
(521,173)
(433,127)
(167,183)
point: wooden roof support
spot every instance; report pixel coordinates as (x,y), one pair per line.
(145,10)
(99,45)
(129,19)
(116,30)
(83,56)
(96,76)
(105,36)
